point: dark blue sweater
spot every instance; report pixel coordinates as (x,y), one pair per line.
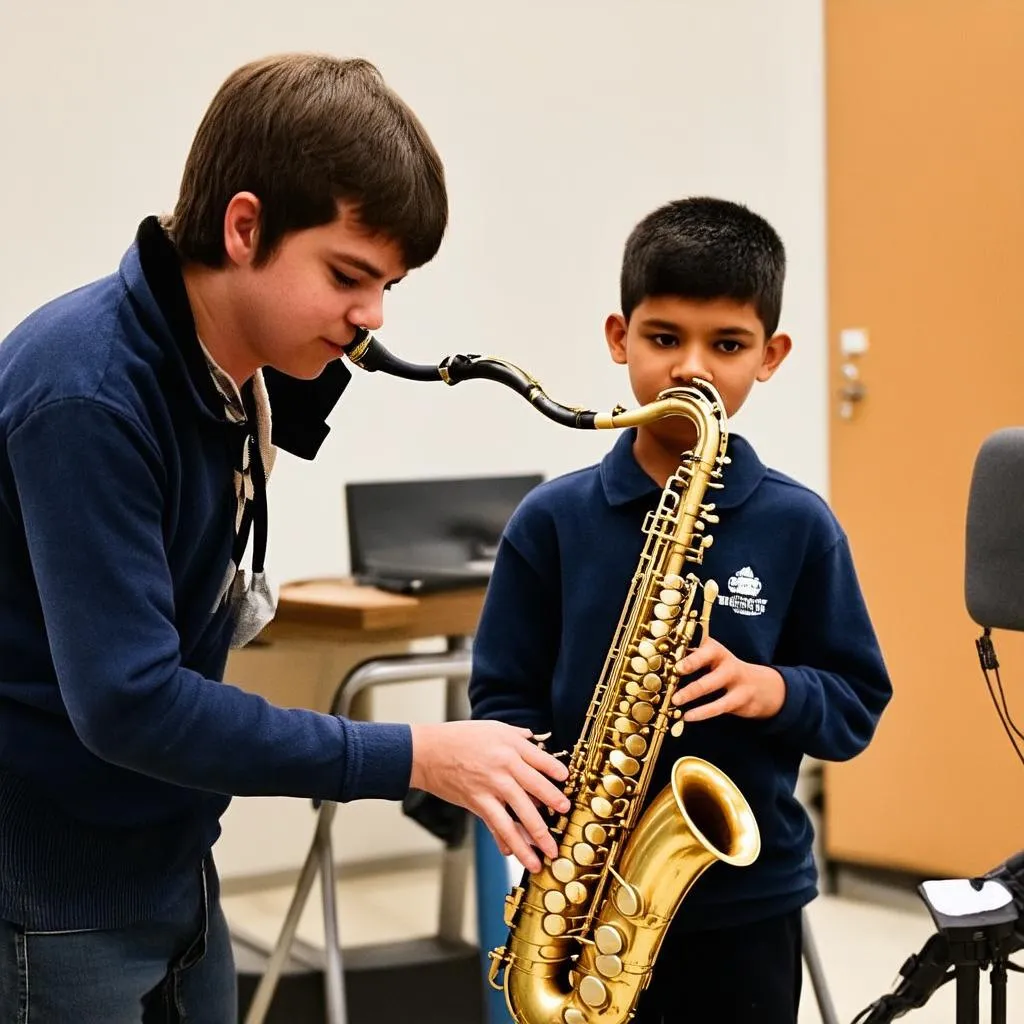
(789,599)
(119,745)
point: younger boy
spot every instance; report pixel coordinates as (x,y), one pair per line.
(793,666)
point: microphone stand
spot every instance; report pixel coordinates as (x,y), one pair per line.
(963,947)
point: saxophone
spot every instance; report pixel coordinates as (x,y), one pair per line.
(585,931)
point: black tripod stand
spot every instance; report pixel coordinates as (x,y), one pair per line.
(964,945)
(977,942)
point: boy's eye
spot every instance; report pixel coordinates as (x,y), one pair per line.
(664,340)
(343,279)
(729,345)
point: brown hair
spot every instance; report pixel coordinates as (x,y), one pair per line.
(303,132)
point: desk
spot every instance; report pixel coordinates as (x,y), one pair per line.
(333,612)
(338,610)
(324,627)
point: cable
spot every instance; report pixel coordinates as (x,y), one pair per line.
(990,663)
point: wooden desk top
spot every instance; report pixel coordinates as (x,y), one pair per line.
(339,609)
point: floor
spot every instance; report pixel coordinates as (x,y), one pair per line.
(863,936)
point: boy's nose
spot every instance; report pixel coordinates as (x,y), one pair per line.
(368,314)
(689,367)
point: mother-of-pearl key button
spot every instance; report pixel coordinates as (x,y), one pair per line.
(593,991)
(555,902)
(555,924)
(576,893)
(583,853)
(563,869)
(646,648)
(608,939)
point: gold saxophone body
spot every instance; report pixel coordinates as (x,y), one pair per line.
(585,931)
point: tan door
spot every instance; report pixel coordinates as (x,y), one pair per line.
(925,127)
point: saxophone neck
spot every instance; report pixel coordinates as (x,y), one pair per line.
(369,354)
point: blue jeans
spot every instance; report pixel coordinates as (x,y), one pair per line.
(176,970)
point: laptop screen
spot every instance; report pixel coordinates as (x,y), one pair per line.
(431,527)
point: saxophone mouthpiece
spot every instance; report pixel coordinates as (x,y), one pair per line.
(358,345)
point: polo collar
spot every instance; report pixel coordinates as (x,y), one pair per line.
(624,480)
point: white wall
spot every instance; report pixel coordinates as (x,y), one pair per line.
(561,123)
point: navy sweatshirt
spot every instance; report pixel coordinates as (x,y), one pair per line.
(789,598)
(119,745)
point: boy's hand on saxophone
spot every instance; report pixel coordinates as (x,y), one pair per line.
(749,691)
(492,769)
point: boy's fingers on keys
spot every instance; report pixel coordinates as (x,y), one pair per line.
(530,818)
(545,762)
(511,840)
(541,789)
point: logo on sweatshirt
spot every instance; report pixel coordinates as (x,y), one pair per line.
(742,598)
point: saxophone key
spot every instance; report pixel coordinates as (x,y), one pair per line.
(642,712)
(633,689)
(613,785)
(664,612)
(595,834)
(584,854)
(554,924)
(623,763)
(670,597)
(672,582)
(638,664)
(593,992)
(627,901)
(659,628)
(652,682)
(635,745)
(602,807)
(555,901)
(646,648)
(576,893)
(563,869)
(625,726)
(609,966)
(609,940)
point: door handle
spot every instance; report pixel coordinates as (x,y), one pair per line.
(852,392)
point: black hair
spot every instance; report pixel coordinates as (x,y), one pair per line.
(705,248)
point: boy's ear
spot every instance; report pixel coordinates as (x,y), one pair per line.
(615,328)
(242,228)
(776,349)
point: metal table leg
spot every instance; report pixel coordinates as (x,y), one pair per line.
(264,994)
(456,862)
(454,666)
(810,950)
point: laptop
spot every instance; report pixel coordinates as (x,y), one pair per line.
(425,536)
